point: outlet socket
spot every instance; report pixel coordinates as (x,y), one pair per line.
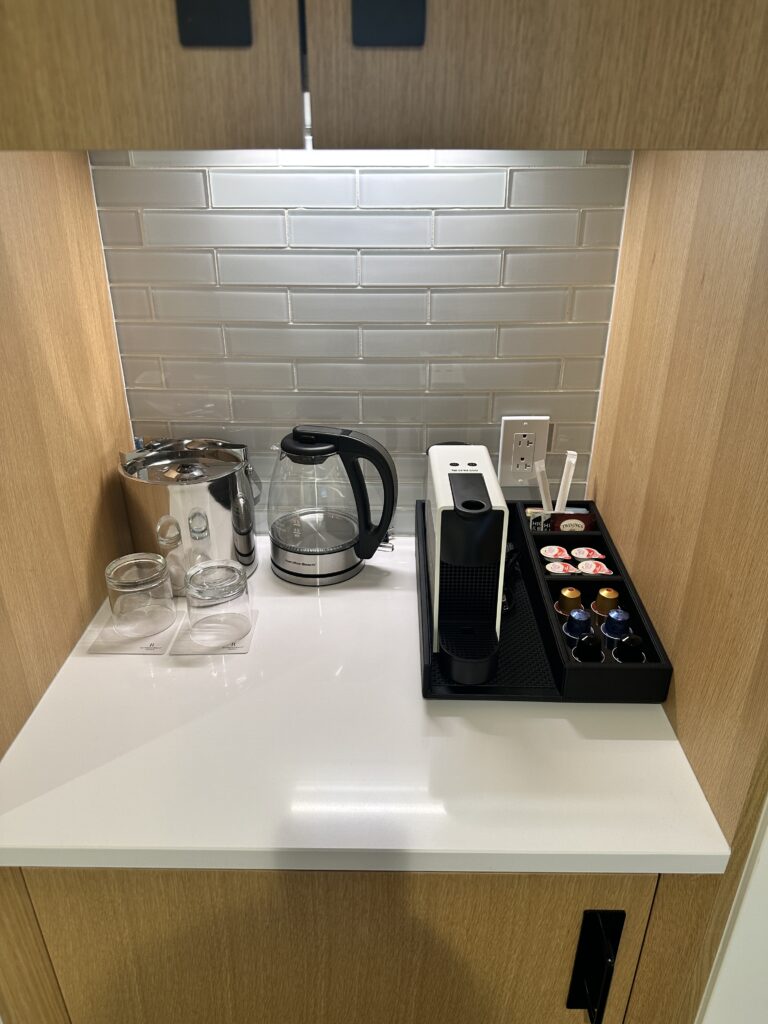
(523,441)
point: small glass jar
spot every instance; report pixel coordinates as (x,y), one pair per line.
(140,594)
(217,602)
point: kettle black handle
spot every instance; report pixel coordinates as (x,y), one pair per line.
(353,446)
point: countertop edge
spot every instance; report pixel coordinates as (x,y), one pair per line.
(373,860)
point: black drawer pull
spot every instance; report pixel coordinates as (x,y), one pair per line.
(389,22)
(214,23)
(595,961)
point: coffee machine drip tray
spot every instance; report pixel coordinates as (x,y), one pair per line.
(523,671)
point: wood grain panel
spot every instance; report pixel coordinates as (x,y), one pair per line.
(327,947)
(679,473)
(547,74)
(103,74)
(29,992)
(63,419)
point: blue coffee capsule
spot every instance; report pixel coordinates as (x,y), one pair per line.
(616,626)
(578,625)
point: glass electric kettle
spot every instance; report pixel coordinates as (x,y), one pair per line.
(319,512)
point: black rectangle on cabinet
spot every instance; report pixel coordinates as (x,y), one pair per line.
(389,22)
(214,23)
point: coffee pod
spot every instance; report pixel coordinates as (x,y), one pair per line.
(588,650)
(569,599)
(629,651)
(606,599)
(616,626)
(577,625)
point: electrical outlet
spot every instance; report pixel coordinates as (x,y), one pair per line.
(523,441)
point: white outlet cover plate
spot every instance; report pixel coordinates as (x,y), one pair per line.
(538,426)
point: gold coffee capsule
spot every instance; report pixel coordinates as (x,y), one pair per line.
(606,599)
(569,599)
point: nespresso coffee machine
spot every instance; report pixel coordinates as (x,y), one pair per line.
(466,533)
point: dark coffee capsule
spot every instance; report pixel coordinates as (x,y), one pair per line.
(629,651)
(616,625)
(578,625)
(588,650)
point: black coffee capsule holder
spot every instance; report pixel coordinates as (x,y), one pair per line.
(535,660)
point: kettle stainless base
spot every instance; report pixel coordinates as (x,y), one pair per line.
(315,570)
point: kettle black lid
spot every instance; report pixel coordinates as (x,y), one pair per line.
(303,446)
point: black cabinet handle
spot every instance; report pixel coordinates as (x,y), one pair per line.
(214,23)
(595,961)
(389,22)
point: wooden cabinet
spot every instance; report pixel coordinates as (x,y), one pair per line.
(106,74)
(290,947)
(547,74)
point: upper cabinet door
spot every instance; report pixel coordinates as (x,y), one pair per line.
(112,74)
(547,74)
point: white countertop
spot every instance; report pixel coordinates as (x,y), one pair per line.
(316,750)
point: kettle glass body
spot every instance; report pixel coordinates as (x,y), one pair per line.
(318,511)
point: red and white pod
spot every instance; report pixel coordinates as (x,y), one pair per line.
(581,553)
(554,552)
(561,568)
(590,567)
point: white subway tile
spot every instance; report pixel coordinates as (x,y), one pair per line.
(358,306)
(109,157)
(131,187)
(410,467)
(220,304)
(567,268)
(404,522)
(292,341)
(151,430)
(576,437)
(592,304)
(397,438)
(499,375)
(463,268)
(582,373)
(429,341)
(425,408)
(355,157)
(602,227)
(224,373)
(282,188)
(205,158)
(485,305)
(298,407)
(509,157)
(360,229)
(290,267)
(120,227)
(561,406)
(257,438)
(432,188)
(214,228)
(142,373)
(131,303)
(408,493)
(609,156)
(362,376)
(556,464)
(585,186)
(170,340)
(169,405)
(544,228)
(141,265)
(486,435)
(553,340)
